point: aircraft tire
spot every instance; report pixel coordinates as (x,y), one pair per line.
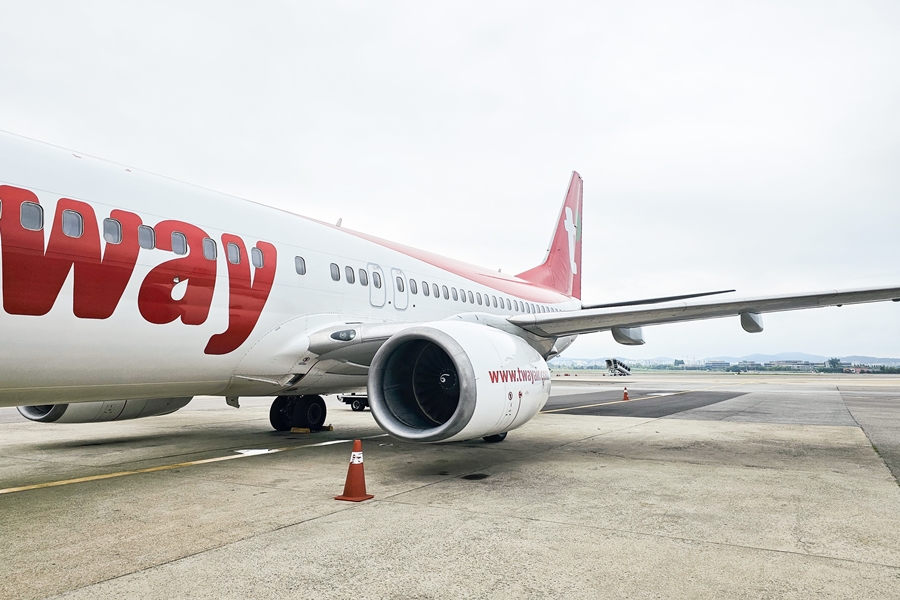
(357,405)
(310,412)
(493,439)
(280,413)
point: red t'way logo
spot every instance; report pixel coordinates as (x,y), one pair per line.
(34,275)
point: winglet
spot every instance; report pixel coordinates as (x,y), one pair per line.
(561,269)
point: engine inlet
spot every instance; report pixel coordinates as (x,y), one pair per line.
(421,386)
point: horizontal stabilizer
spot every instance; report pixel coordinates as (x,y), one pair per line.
(655,300)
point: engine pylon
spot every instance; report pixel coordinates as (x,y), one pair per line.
(355,486)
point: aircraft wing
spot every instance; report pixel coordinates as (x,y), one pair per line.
(602,319)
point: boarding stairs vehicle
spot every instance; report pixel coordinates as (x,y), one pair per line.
(617,368)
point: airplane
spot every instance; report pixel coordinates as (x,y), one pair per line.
(126,294)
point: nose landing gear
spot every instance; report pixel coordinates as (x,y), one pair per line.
(297,411)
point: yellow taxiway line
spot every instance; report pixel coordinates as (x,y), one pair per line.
(192,463)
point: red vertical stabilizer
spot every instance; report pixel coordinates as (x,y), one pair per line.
(561,269)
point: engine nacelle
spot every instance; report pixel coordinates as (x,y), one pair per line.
(96,412)
(454,380)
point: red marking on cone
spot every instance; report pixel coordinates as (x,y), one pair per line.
(355,486)
(625,395)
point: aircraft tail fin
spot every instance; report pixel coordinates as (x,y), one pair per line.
(561,269)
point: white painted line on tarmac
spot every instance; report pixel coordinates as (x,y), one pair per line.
(328,443)
(238,454)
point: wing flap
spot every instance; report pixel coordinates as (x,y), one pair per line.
(602,319)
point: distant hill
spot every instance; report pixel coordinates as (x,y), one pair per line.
(770,357)
(813,358)
(562,361)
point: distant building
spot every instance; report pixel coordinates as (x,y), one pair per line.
(716,365)
(793,365)
(749,365)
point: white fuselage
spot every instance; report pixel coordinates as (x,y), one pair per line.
(59,357)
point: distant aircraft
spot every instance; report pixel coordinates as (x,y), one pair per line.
(125,294)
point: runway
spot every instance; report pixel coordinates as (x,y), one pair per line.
(701,485)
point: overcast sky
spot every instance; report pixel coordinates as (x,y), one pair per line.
(745,145)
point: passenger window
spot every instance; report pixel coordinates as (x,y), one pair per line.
(335,272)
(300,265)
(437,291)
(363,277)
(425,289)
(31,216)
(462,295)
(446,292)
(210,251)
(413,287)
(112,231)
(351,276)
(494,301)
(533,309)
(471,298)
(146,237)
(508,304)
(478,297)
(179,243)
(256,257)
(455,295)
(72,224)
(234,253)
(400,286)
(376,279)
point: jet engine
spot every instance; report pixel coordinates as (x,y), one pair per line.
(454,380)
(95,412)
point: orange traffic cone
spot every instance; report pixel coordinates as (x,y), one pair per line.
(355,487)
(625,395)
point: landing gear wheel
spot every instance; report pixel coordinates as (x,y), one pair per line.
(310,412)
(280,415)
(493,439)
(297,411)
(357,405)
